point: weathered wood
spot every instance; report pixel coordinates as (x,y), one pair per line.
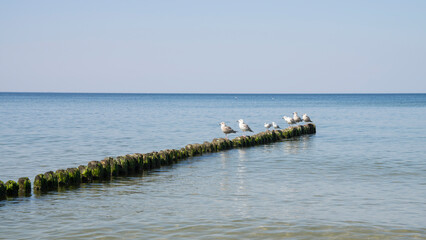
(24,184)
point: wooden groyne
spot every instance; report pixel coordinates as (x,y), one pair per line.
(110,167)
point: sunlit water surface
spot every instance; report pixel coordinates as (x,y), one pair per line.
(362,176)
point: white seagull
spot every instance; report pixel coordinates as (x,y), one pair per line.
(296,118)
(267,125)
(244,127)
(306,118)
(226,129)
(275,125)
(289,120)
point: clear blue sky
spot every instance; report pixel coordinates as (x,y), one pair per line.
(213,46)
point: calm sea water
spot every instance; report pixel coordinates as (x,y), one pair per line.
(362,176)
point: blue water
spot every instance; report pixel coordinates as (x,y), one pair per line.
(362,175)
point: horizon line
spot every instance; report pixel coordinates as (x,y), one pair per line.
(207,93)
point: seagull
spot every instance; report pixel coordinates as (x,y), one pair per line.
(275,125)
(306,118)
(226,129)
(289,120)
(267,125)
(244,127)
(296,118)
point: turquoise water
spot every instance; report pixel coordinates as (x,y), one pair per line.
(363,175)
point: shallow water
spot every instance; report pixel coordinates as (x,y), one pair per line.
(361,176)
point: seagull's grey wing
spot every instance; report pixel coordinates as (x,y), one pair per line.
(245,127)
(228,129)
(248,129)
(306,118)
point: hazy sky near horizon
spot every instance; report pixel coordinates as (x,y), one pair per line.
(213,46)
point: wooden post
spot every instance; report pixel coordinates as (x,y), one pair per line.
(12,188)
(40,183)
(24,186)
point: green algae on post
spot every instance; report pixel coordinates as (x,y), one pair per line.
(123,166)
(63,178)
(40,183)
(164,158)
(114,165)
(2,191)
(12,188)
(147,164)
(106,164)
(52,180)
(96,169)
(74,176)
(24,184)
(85,174)
(132,163)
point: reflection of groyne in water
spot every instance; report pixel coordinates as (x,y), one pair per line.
(134,163)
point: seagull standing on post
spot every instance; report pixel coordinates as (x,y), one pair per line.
(226,129)
(267,125)
(306,118)
(244,127)
(296,118)
(289,120)
(275,125)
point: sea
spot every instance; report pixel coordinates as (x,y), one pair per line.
(361,176)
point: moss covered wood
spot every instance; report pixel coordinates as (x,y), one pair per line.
(139,162)
(106,164)
(115,168)
(145,162)
(85,174)
(2,191)
(52,180)
(96,170)
(12,188)
(63,178)
(122,166)
(24,186)
(156,161)
(74,176)
(132,160)
(40,183)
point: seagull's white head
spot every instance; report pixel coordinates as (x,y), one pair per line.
(305,114)
(222,124)
(241,121)
(295,113)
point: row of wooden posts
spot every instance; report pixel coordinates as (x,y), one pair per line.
(135,163)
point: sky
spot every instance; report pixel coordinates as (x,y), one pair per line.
(213,46)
